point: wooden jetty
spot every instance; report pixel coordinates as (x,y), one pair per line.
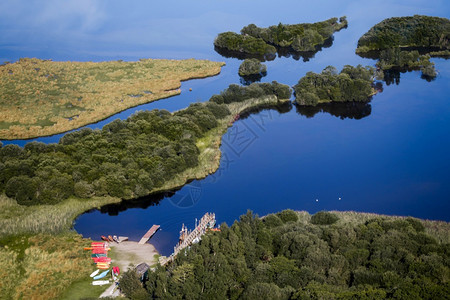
(206,222)
(149,234)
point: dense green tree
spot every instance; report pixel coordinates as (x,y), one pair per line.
(302,37)
(298,258)
(351,84)
(252,66)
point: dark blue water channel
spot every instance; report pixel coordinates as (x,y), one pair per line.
(389,157)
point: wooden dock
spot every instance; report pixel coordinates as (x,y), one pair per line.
(149,234)
(206,222)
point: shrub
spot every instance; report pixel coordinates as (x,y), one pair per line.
(252,66)
(288,215)
(324,218)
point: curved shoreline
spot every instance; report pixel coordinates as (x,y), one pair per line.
(86,113)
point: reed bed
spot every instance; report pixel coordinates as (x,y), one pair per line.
(39,255)
(42,266)
(42,97)
(17,219)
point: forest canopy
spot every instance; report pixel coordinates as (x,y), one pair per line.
(415,31)
(292,255)
(302,37)
(351,84)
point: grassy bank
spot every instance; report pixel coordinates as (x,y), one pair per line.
(18,219)
(42,97)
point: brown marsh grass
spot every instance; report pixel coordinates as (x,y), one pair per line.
(42,266)
(39,255)
(42,97)
(17,219)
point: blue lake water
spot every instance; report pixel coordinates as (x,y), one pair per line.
(390,156)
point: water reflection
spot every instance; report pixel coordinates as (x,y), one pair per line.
(342,110)
(281,108)
(392,76)
(249,79)
(143,202)
(281,52)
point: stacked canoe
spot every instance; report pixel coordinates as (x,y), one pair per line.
(100,257)
(100,254)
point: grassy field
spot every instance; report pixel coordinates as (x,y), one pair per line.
(42,97)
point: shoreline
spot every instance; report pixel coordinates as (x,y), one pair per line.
(89,108)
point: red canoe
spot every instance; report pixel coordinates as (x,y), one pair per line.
(101,250)
(101,259)
(95,244)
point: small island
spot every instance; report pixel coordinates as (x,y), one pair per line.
(265,42)
(406,43)
(351,84)
(252,66)
(43,97)
(251,70)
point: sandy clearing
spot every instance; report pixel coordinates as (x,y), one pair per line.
(129,252)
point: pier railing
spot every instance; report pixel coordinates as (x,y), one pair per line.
(207,221)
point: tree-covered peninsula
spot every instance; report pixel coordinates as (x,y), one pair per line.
(293,255)
(149,151)
(43,97)
(351,84)
(406,43)
(264,42)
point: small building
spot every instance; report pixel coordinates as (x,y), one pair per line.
(142,270)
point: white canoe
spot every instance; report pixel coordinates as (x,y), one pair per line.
(94,273)
(100,282)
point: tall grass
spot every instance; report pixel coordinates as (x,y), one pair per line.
(39,256)
(17,219)
(42,266)
(42,97)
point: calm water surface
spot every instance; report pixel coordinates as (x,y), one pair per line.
(390,156)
